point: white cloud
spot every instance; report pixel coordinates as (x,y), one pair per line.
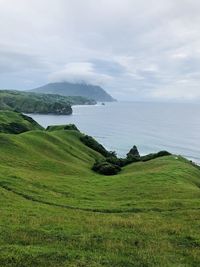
(136,49)
(182,90)
(81,72)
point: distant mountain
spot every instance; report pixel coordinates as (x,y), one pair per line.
(70,89)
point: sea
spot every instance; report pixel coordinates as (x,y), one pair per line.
(150,126)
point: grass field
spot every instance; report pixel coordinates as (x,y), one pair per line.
(55,211)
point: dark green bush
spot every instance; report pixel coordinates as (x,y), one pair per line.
(163,153)
(155,155)
(13,128)
(68,127)
(71,127)
(106,168)
(92,143)
(117,161)
(29,119)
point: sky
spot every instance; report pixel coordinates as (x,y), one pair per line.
(135,49)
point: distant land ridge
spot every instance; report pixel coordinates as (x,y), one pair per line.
(94,92)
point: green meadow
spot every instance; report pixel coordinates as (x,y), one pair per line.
(55,211)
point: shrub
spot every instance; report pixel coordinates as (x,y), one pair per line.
(155,155)
(93,144)
(117,161)
(132,156)
(71,127)
(163,153)
(106,168)
(29,119)
(68,127)
(14,128)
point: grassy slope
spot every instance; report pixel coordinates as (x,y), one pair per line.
(56,212)
(21,122)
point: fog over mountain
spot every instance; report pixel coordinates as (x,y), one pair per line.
(137,50)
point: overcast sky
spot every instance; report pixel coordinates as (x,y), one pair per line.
(135,49)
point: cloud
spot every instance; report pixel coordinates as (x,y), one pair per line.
(181,90)
(136,49)
(12,60)
(81,72)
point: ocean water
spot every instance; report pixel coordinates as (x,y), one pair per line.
(150,126)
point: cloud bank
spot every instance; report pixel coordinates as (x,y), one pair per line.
(137,50)
(81,72)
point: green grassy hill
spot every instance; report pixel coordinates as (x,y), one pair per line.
(14,122)
(55,211)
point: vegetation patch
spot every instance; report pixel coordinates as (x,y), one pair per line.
(14,128)
(106,168)
(155,155)
(68,127)
(93,144)
(111,164)
(16,123)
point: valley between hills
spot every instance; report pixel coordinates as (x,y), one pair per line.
(56,211)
